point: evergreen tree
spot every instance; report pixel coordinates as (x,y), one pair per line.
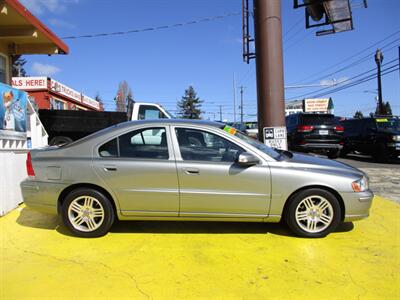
(18,66)
(189,107)
(386,109)
(358,115)
(101,103)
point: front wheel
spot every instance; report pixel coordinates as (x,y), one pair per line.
(332,154)
(87,213)
(313,213)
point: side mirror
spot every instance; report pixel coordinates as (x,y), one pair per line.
(247,159)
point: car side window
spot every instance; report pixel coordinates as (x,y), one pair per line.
(148,112)
(144,143)
(109,149)
(205,146)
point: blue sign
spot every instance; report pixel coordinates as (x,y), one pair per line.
(12,109)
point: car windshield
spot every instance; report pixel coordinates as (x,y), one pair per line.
(255,143)
(392,124)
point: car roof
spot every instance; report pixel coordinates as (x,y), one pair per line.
(155,122)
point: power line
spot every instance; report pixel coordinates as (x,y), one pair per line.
(359,61)
(358,82)
(348,58)
(349,79)
(209,19)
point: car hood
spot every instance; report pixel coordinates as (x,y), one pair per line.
(326,165)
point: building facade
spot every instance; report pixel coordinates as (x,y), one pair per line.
(49,93)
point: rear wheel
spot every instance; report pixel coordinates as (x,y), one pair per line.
(87,213)
(313,213)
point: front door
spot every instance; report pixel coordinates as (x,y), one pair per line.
(212,184)
(140,169)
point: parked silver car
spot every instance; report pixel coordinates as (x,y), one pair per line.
(188,170)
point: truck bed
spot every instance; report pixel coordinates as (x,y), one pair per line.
(76,124)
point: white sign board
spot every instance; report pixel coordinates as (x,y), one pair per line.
(316,105)
(29,83)
(62,89)
(90,101)
(275,137)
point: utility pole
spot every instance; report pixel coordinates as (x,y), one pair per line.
(220,113)
(269,64)
(378,60)
(234,98)
(241,104)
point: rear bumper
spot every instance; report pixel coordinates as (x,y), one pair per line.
(357,205)
(320,146)
(41,196)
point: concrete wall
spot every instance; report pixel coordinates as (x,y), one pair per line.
(13,171)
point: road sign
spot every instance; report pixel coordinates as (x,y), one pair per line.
(275,137)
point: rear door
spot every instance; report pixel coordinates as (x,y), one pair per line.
(139,167)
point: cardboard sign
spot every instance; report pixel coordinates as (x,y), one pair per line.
(12,109)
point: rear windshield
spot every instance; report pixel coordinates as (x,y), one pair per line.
(319,119)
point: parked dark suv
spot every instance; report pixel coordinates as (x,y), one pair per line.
(376,136)
(312,132)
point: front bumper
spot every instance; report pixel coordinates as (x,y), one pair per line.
(357,205)
(41,196)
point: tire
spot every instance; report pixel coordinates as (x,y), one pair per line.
(344,152)
(380,154)
(303,213)
(87,213)
(60,140)
(332,154)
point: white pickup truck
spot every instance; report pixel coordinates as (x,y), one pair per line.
(65,126)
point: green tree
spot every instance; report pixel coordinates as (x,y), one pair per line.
(358,115)
(18,66)
(189,107)
(101,103)
(386,109)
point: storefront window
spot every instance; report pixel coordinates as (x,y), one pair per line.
(3,69)
(57,104)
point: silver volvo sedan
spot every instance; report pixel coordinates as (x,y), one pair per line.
(190,170)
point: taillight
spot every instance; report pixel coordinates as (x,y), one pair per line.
(305,128)
(339,128)
(29,167)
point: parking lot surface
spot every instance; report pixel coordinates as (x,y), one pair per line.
(184,260)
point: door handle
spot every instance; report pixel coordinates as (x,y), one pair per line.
(110,168)
(191,171)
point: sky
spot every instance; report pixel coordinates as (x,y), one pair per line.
(160,64)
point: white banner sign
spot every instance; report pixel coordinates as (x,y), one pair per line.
(275,137)
(62,89)
(29,83)
(316,105)
(90,101)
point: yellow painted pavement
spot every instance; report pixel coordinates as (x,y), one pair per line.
(185,260)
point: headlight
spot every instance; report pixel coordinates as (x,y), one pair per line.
(360,185)
(396,138)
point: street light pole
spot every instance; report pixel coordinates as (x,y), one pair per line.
(378,60)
